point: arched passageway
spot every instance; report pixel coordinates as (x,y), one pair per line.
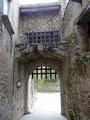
(44,62)
(44,94)
(24,66)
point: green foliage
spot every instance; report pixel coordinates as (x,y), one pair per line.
(9,118)
(69,40)
(48,80)
(47,85)
(52,80)
(82,62)
(74,113)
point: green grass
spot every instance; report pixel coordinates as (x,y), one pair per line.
(47,85)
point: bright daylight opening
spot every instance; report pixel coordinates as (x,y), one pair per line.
(24,2)
(44,92)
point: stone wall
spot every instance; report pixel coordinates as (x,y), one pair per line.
(71,13)
(80,85)
(74,71)
(76,68)
(5,80)
(0,28)
(84,3)
(40,23)
(22,69)
(30,62)
(20,75)
(6,63)
(64,5)
(5,89)
(77,80)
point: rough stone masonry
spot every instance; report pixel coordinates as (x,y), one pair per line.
(70,56)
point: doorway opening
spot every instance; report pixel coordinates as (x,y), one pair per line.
(44,93)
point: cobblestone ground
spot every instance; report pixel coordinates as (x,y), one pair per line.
(46,107)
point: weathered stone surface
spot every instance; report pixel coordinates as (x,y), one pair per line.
(6,68)
(77,67)
(72,12)
(39,23)
(70,58)
(59,49)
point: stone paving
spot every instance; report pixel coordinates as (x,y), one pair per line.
(45,109)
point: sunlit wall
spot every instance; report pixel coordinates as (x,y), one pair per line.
(23,2)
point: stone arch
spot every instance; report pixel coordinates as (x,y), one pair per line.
(56,67)
(33,60)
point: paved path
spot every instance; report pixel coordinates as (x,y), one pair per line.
(45,108)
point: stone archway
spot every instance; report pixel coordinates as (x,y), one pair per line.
(53,64)
(28,63)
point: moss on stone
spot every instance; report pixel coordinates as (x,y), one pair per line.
(69,40)
(83,60)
